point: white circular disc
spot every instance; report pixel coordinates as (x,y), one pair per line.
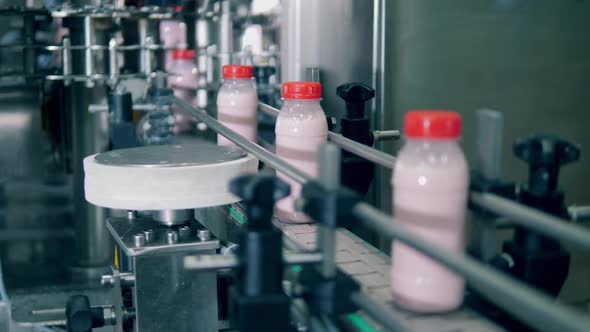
(165,177)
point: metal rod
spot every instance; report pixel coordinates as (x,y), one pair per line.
(66,55)
(96,108)
(386,135)
(88,53)
(579,213)
(522,301)
(378,312)
(221,262)
(329,156)
(113,62)
(259,152)
(533,219)
(361,150)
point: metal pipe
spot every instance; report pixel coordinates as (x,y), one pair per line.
(88,53)
(386,135)
(361,150)
(524,302)
(222,262)
(378,312)
(329,156)
(113,62)
(259,152)
(533,219)
(66,57)
(579,213)
(97,108)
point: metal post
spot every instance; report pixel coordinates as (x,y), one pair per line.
(143,37)
(66,57)
(329,160)
(88,52)
(89,135)
(113,62)
(524,302)
(489,157)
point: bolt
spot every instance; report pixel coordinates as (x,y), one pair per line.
(184,232)
(204,234)
(131,214)
(107,280)
(171,237)
(139,239)
(149,235)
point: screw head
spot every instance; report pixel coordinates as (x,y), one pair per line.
(107,280)
(204,234)
(149,235)
(139,239)
(184,232)
(171,237)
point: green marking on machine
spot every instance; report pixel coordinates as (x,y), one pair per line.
(297,268)
(360,322)
(239,217)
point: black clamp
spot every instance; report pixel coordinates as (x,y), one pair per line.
(545,154)
(260,274)
(330,297)
(80,317)
(356,173)
(332,208)
(122,129)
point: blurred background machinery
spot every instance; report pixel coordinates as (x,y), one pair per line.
(84,77)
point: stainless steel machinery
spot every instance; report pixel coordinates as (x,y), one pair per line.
(100,230)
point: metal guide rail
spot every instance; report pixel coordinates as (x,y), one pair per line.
(520,300)
(88,51)
(517,213)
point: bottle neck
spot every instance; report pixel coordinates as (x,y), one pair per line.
(301,101)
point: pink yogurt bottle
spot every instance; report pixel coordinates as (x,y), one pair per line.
(172,35)
(237,103)
(301,129)
(183,80)
(430,181)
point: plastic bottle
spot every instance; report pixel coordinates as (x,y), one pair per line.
(183,80)
(237,103)
(301,128)
(172,35)
(430,181)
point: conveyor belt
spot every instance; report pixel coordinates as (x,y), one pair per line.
(371,268)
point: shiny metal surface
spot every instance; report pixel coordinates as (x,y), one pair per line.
(170,155)
(166,296)
(124,231)
(89,135)
(173,217)
(220,262)
(169,298)
(328,34)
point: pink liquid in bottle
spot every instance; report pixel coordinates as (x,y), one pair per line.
(183,80)
(172,35)
(237,103)
(430,182)
(301,129)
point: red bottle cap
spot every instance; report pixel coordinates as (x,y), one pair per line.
(432,124)
(302,90)
(237,71)
(183,54)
